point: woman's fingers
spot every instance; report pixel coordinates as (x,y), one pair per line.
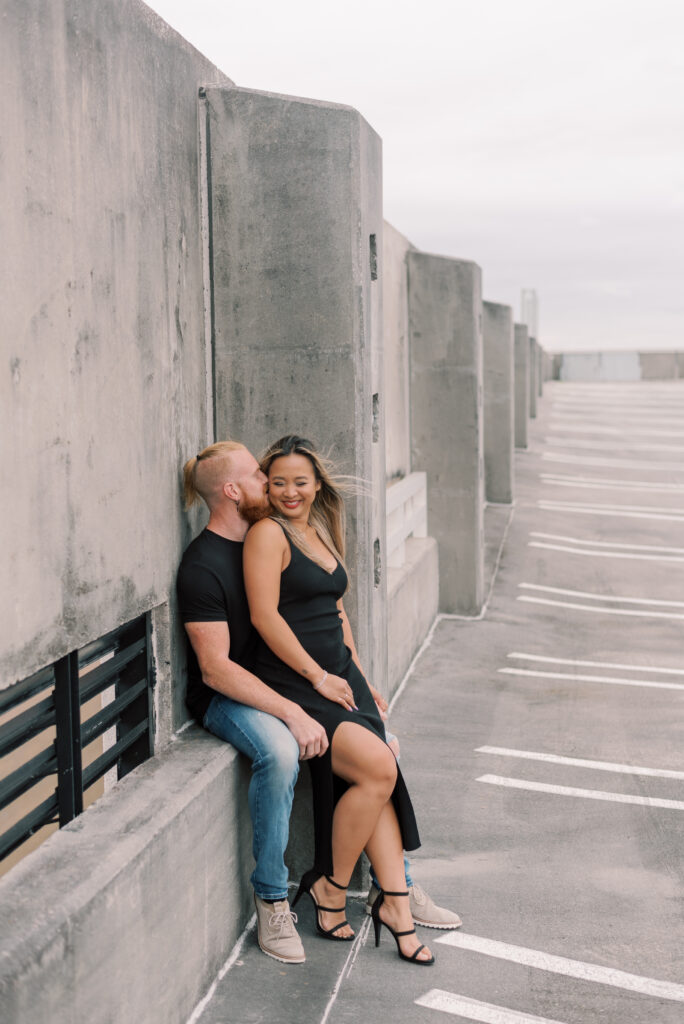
(338,689)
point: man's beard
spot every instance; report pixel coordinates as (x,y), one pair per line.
(253,511)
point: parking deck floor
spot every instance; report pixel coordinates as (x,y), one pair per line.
(542,746)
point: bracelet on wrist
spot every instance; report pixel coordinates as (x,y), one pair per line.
(318,685)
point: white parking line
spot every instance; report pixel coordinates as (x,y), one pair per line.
(580,762)
(590,460)
(600,597)
(585,794)
(605,543)
(610,680)
(600,611)
(596,664)
(606,483)
(615,511)
(561,965)
(474,1009)
(609,446)
(603,554)
(561,427)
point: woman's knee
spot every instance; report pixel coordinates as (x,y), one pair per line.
(361,757)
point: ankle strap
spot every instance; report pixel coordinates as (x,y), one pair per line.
(337,884)
(386,892)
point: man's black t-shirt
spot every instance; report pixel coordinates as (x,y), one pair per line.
(211,588)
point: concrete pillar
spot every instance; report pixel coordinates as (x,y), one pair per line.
(445,325)
(522,384)
(295,199)
(540,371)
(532,370)
(499,401)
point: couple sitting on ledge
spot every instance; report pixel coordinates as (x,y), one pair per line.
(273,669)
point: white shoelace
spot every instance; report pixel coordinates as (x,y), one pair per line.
(284,918)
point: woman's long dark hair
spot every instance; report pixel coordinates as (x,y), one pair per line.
(327,515)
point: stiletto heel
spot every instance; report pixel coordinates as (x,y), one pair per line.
(377,925)
(310,878)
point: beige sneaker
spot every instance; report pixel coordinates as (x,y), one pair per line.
(423,910)
(277,933)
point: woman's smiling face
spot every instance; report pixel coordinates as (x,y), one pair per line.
(292,486)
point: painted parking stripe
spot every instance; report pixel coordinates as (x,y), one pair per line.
(562,965)
(474,1009)
(611,506)
(600,597)
(609,447)
(591,460)
(567,480)
(580,762)
(603,554)
(615,511)
(561,427)
(596,664)
(651,684)
(600,611)
(584,794)
(651,548)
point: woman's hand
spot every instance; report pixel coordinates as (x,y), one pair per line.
(338,690)
(380,701)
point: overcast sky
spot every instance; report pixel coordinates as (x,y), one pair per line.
(541,138)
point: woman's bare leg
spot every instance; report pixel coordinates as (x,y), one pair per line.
(368,765)
(386,854)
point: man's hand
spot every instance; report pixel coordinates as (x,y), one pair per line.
(309,734)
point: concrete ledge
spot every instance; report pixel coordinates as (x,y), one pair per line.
(150,885)
(413,599)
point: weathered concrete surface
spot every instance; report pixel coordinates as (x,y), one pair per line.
(103,392)
(499,400)
(540,370)
(445,315)
(128,913)
(296,196)
(413,595)
(591,880)
(533,368)
(522,384)
(396,351)
(600,366)
(661,365)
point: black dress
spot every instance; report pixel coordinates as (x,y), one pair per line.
(308,603)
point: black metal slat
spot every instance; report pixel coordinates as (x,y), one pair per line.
(26,725)
(39,767)
(107,760)
(43,814)
(99,722)
(27,688)
(69,781)
(109,642)
(105,675)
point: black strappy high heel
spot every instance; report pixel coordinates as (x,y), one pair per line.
(310,878)
(378,922)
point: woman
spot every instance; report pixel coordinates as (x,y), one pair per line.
(295,579)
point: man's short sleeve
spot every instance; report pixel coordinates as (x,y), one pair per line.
(201,597)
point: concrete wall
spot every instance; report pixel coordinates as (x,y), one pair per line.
(661,365)
(296,195)
(600,366)
(396,352)
(124,915)
(532,369)
(499,401)
(104,391)
(445,317)
(413,603)
(522,383)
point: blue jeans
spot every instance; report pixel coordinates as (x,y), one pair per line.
(274,754)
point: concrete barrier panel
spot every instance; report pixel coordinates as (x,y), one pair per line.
(296,238)
(540,371)
(522,384)
(499,401)
(395,352)
(532,370)
(445,322)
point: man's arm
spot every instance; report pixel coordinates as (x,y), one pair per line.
(211,644)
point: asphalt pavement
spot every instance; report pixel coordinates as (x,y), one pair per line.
(542,746)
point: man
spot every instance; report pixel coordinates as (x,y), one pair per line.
(231,702)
